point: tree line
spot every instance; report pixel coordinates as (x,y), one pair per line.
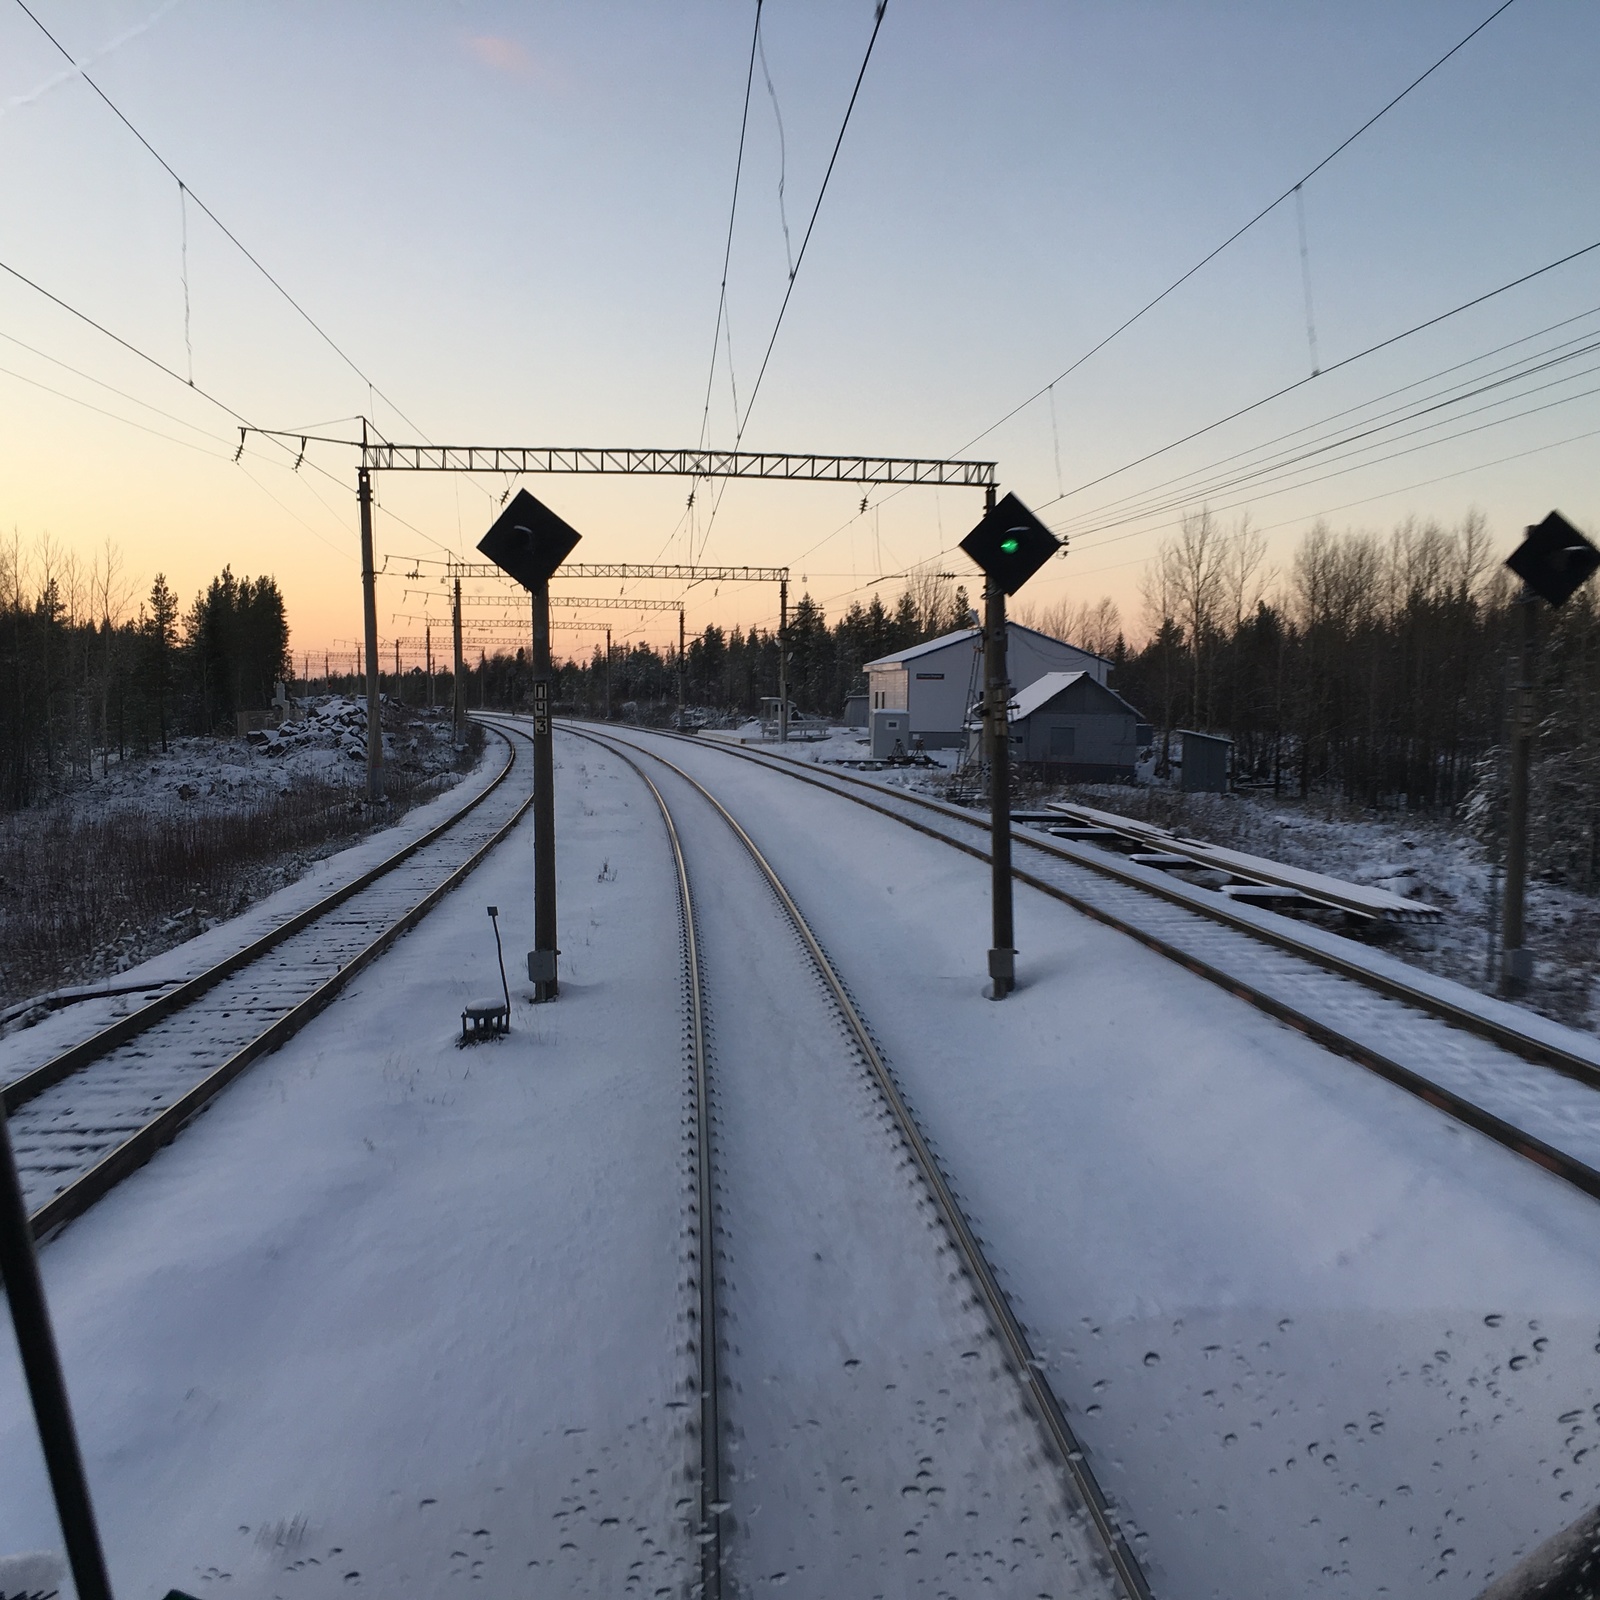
(732,670)
(86,674)
(1376,667)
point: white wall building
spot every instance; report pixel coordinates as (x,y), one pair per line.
(938,682)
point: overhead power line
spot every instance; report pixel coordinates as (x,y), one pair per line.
(794,271)
(186,190)
(245,424)
(1263,492)
(1384,494)
(1349,438)
(799,260)
(1187,478)
(727,249)
(1239,233)
(116,338)
(1360,355)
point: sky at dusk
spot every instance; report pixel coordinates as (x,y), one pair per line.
(511,220)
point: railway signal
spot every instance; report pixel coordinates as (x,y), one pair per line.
(528,542)
(1554,560)
(1010,544)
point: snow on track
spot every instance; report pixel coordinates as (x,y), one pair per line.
(1558,1110)
(877,1442)
(21,1050)
(399,1318)
(64,1132)
(1318,1338)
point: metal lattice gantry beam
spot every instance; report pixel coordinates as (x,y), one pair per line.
(667,572)
(519,603)
(518,459)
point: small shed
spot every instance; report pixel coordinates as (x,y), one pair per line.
(1205,760)
(1072,727)
(855,710)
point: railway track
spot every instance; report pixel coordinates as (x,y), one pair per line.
(717,1490)
(1525,1083)
(84,1120)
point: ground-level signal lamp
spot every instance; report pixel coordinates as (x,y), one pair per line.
(1010,544)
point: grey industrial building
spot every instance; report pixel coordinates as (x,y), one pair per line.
(938,682)
(1073,727)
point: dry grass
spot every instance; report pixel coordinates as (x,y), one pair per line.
(82,897)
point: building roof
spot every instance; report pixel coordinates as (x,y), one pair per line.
(922,649)
(969,634)
(1042,691)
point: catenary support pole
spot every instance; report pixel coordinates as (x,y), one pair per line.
(427,651)
(460,696)
(783,661)
(369,607)
(997,732)
(608,674)
(542,958)
(47,1387)
(680,669)
(1516,967)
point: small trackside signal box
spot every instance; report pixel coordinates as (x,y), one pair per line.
(891,734)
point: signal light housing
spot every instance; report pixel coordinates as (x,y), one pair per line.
(528,540)
(1554,559)
(1010,544)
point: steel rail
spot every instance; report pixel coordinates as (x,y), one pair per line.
(1507,1037)
(1027,1368)
(31,1084)
(711,1507)
(1520,1142)
(72,1201)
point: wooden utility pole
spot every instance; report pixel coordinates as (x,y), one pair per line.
(369,606)
(427,651)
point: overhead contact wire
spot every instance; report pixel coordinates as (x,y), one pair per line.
(1240,232)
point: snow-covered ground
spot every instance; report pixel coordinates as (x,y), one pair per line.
(308,775)
(877,1442)
(419,1315)
(324,741)
(1319,1339)
(33,1037)
(1420,858)
(393,1315)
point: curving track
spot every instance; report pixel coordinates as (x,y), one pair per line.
(1091,1543)
(83,1121)
(1526,1083)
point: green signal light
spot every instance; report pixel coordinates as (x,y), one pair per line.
(1009,546)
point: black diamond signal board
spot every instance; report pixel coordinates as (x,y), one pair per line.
(528,540)
(1010,544)
(1554,559)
